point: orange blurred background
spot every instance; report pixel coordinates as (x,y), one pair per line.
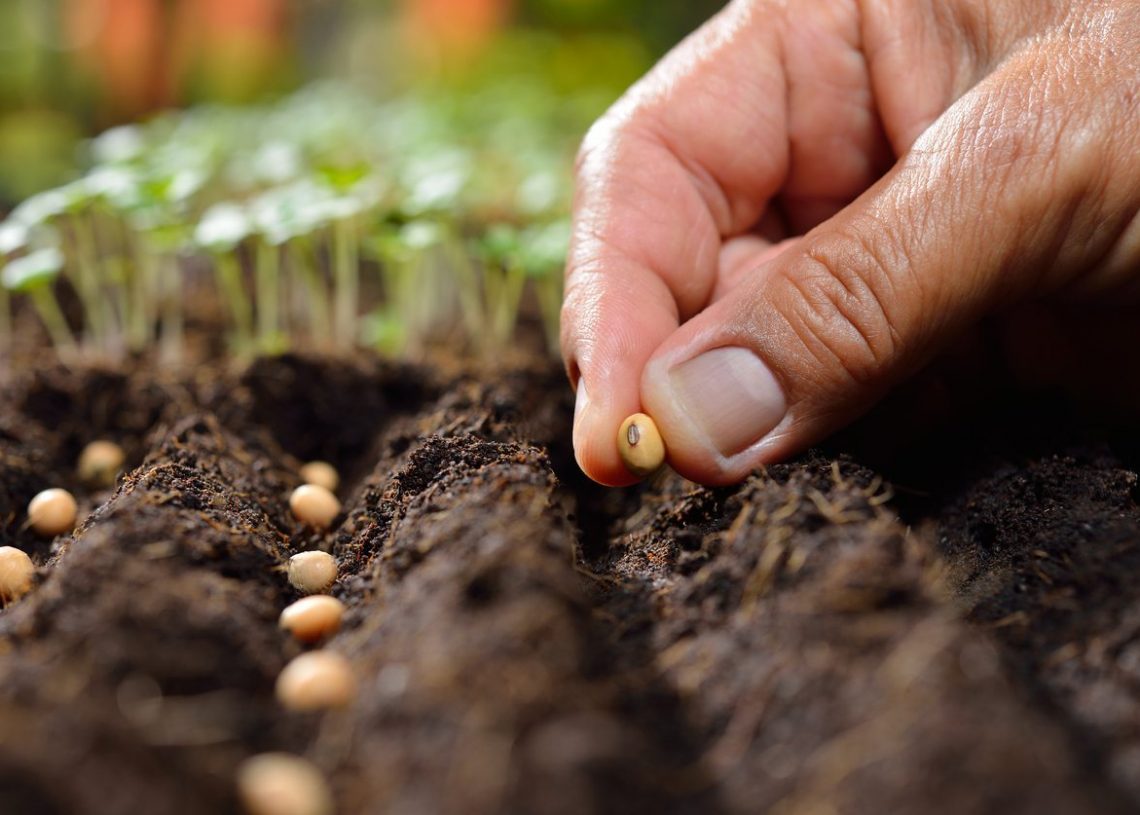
(70,68)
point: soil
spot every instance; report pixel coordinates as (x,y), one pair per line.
(956,630)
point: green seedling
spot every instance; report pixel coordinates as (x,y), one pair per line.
(34,275)
(13,238)
(503,279)
(220,233)
(543,257)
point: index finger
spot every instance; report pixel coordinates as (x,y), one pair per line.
(690,155)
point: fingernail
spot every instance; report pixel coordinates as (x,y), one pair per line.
(581,401)
(730,395)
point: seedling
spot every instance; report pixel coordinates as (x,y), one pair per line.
(544,249)
(321,474)
(469,188)
(220,232)
(52,512)
(640,445)
(16,573)
(314,505)
(317,680)
(312,572)
(282,784)
(312,619)
(33,275)
(99,464)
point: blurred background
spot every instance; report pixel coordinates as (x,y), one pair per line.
(72,68)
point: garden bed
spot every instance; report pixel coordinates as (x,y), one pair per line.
(813,640)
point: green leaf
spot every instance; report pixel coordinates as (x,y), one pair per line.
(35,269)
(13,237)
(500,243)
(222,227)
(544,248)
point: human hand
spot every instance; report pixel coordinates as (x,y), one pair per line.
(806,203)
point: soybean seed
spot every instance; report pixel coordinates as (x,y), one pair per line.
(314,506)
(52,512)
(316,680)
(312,572)
(640,445)
(99,463)
(16,573)
(282,784)
(322,474)
(311,619)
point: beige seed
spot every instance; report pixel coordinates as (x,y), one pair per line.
(311,619)
(322,474)
(282,784)
(314,506)
(312,572)
(316,680)
(100,462)
(640,445)
(16,573)
(52,512)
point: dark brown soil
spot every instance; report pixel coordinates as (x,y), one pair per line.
(814,640)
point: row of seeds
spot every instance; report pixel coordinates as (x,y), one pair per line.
(270,783)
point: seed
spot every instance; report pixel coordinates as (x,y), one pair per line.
(314,505)
(311,619)
(322,474)
(640,445)
(100,462)
(312,572)
(16,573)
(52,512)
(281,784)
(315,681)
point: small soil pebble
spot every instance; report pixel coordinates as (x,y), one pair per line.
(312,572)
(316,681)
(640,445)
(311,619)
(314,506)
(322,474)
(282,784)
(100,463)
(52,512)
(16,573)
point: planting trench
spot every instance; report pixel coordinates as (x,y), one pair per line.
(525,642)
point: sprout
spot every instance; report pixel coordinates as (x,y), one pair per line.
(503,279)
(52,512)
(435,181)
(544,250)
(33,274)
(41,208)
(13,237)
(220,231)
(118,145)
(277,162)
(223,227)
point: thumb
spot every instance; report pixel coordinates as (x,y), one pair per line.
(980,212)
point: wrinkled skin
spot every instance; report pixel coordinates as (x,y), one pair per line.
(852,190)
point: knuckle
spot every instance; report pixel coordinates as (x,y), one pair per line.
(842,306)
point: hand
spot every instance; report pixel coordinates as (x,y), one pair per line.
(807,202)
